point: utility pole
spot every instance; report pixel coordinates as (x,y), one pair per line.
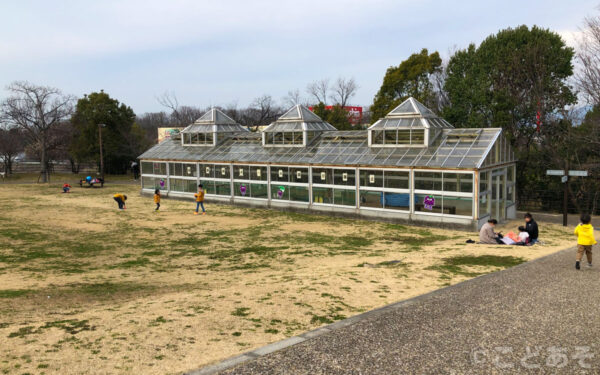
(100,126)
(565,174)
(566,197)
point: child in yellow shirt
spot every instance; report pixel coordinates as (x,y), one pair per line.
(120,199)
(157,199)
(585,240)
(200,200)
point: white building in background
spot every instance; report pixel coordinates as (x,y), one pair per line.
(410,166)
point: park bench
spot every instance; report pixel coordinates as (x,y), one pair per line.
(91,182)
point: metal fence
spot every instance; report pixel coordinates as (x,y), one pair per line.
(552,201)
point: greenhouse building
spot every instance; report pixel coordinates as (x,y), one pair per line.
(410,166)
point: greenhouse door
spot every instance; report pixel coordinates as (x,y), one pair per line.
(498,195)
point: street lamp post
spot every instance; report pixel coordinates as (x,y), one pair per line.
(100,126)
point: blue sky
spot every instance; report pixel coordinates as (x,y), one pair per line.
(224,52)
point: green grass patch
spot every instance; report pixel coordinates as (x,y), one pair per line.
(13,293)
(455,265)
(241,311)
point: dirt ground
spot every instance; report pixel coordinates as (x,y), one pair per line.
(86,289)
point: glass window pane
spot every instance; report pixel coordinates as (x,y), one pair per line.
(259,191)
(160,168)
(344,197)
(222,171)
(208,186)
(397,201)
(288,138)
(428,180)
(371,199)
(241,189)
(268,138)
(322,195)
(209,139)
(377,137)
(466,183)
(176,184)
(417,136)
(147,167)
(173,169)
(370,178)
(279,174)
(510,195)
(258,173)
(222,188)
(390,137)
(483,182)
(189,170)
(451,181)
(278,138)
(280,192)
(458,206)
(298,138)
(404,137)
(207,170)
(344,177)
(510,173)
(299,193)
(241,172)
(322,176)
(299,175)
(483,205)
(396,179)
(428,203)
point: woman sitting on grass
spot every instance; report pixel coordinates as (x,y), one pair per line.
(487,235)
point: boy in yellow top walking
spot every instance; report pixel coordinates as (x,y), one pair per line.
(157,199)
(120,199)
(585,240)
(200,200)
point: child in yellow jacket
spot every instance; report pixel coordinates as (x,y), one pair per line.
(120,199)
(157,199)
(200,200)
(585,240)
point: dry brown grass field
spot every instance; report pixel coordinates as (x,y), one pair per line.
(86,289)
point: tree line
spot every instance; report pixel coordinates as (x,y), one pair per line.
(48,125)
(525,80)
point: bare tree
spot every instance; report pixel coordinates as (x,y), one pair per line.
(319,90)
(343,90)
(36,110)
(440,96)
(187,115)
(261,111)
(292,98)
(588,76)
(11,144)
(180,115)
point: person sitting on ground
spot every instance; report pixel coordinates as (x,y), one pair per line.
(523,235)
(585,240)
(531,228)
(120,199)
(487,235)
(66,188)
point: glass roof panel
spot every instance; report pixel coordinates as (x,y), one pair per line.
(214,120)
(410,114)
(454,148)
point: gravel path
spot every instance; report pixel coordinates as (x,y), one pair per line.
(542,317)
